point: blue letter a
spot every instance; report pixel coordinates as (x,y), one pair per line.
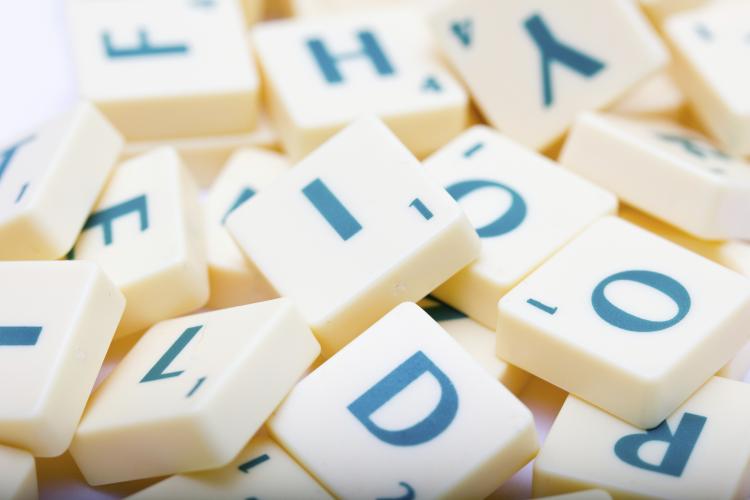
(680,445)
(393,383)
(552,50)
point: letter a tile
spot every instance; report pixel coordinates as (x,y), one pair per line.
(411,414)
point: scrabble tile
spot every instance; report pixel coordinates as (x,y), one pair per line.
(321,73)
(523,206)
(50,179)
(399,401)
(549,61)
(18,477)
(353,230)
(192,392)
(644,321)
(262,470)
(580,495)
(477,340)
(733,254)
(658,96)
(708,191)
(234,280)
(701,451)
(708,46)
(56,324)
(174,68)
(146,233)
(738,366)
(205,156)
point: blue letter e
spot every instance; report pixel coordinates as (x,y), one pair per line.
(679,445)
(393,383)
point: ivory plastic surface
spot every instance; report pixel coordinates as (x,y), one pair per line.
(701,451)
(411,413)
(708,45)
(733,254)
(668,171)
(173,68)
(205,156)
(349,236)
(56,324)
(477,340)
(323,72)
(658,96)
(192,392)
(533,65)
(626,321)
(17,475)
(50,179)
(234,281)
(523,206)
(146,232)
(262,470)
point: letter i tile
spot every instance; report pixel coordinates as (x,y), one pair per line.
(701,451)
(400,401)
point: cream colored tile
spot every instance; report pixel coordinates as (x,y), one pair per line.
(733,254)
(523,206)
(146,233)
(709,45)
(173,68)
(626,321)
(192,392)
(261,470)
(234,280)
(18,476)
(352,231)
(412,416)
(321,73)
(56,324)
(50,179)
(665,170)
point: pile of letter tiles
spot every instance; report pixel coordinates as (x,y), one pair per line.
(383,250)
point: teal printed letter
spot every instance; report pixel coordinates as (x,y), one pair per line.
(552,50)
(7,155)
(694,146)
(244,195)
(158,371)
(393,383)
(332,210)
(622,319)
(507,222)
(680,445)
(408,495)
(19,335)
(108,215)
(328,63)
(143,49)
